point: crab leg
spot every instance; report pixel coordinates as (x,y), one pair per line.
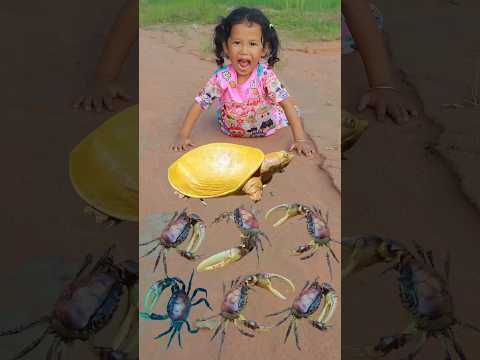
(33,345)
(295,331)
(263,280)
(25,327)
(291,211)
(222,259)
(328,308)
(243,332)
(222,340)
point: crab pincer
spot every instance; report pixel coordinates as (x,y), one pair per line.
(174,234)
(317,227)
(251,238)
(235,301)
(306,304)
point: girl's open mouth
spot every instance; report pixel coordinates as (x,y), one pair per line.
(244,64)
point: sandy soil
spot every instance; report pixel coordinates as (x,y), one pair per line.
(171,72)
(49,56)
(393,186)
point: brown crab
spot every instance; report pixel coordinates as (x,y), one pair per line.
(424,292)
(251,238)
(306,303)
(174,234)
(234,302)
(317,227)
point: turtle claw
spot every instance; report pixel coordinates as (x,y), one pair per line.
(221,259)
(263,280)
(291,211)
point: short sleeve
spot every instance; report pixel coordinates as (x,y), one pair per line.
(275,90)
(209,93)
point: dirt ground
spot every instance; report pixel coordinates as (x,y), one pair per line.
(394,186)
(172,69)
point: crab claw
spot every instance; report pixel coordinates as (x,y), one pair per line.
(198,234)
(263,280)
(253,325)
(154,292)
(291,211)
(367,250)
(222,259)
(328,308)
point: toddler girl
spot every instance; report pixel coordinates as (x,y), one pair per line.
(252,102)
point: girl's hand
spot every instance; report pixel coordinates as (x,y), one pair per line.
(303,147)
(388,102)
(181,143)
(100,95)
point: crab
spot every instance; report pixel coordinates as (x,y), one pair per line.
(251,236)
(220,169)
(234,302)
(305,305)
(178,307)
(317,227)
(86,305)
(174,234)
(424,293)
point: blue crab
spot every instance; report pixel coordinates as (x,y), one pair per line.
(178,306)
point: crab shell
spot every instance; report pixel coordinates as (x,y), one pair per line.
(308,301)
(84,308)
(219,169)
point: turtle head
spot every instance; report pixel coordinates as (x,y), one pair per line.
(276,161)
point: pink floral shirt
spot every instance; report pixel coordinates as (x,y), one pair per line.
(250,109)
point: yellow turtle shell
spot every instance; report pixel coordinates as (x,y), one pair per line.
(215,169)
(352,129)
(104,166)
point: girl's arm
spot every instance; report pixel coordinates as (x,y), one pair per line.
(301,141)
(369,39)
(183,141)
(382,95)
(121,38)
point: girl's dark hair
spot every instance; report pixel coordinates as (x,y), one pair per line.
(249,15)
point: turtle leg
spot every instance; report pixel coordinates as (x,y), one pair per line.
(253,188)
(100,217)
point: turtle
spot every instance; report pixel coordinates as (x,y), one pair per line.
(103,168)
(220,169)
(352,129)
